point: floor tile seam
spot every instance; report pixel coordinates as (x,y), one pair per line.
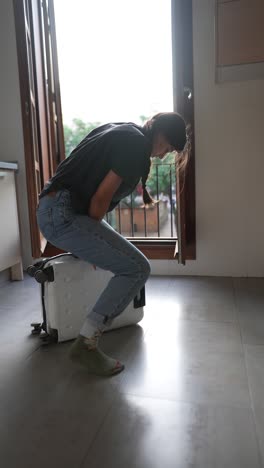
(99,428)
(260,460)
(187,402)
(206,320)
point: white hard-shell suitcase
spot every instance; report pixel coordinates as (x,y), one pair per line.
(69,287)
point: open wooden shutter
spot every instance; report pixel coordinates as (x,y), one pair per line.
(29,107)
(182,53)
(54,115)
(40,101)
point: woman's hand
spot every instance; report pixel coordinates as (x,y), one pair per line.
(102,198)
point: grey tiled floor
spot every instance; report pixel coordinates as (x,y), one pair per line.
(192,393)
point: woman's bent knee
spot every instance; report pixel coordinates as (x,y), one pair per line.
(147,269)
(144,268)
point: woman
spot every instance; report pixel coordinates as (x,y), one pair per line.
(104,168)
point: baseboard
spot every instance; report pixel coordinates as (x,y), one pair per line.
(5,276)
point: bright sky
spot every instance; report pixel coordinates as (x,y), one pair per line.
(114,58)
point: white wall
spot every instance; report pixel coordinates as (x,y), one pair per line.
(229,135)
(11,132)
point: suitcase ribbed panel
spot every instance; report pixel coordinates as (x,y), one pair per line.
(72,294)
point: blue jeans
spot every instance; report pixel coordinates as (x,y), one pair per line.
(98,243)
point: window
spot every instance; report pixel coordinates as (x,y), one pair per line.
(43,134)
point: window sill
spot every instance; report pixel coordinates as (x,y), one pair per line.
(162,249)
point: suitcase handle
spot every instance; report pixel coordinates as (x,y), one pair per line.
(140,299)
(43,262)
(36,270)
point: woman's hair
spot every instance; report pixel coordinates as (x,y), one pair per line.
(173,127)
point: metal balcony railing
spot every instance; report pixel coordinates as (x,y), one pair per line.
(131,219)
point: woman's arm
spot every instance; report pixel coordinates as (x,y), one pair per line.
(102,198)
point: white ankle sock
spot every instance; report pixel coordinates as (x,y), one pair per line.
(90,328)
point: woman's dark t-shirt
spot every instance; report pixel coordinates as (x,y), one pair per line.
(122,148)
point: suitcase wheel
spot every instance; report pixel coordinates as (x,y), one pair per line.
(41,276)
(48,339)
(31,270)
(37,327)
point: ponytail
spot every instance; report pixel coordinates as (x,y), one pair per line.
(147,198)
(178,134)
(181,162)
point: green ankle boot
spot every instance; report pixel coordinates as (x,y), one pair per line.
(85,351)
